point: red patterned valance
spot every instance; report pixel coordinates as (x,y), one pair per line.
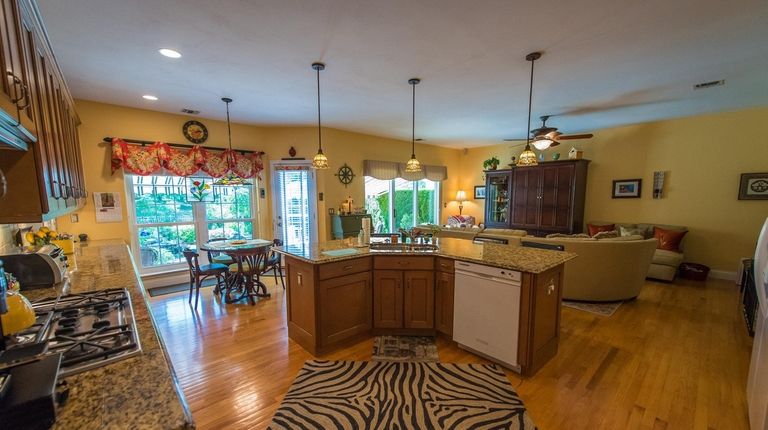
(146,160)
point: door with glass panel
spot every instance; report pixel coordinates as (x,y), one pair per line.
(294,208)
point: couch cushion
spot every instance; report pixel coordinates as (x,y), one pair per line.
(667,258)
(504,232)
(608,234)
(668,239)
(461,220)
(622,238)
(632,230)
(595,229)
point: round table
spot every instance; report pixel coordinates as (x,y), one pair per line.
(249,256)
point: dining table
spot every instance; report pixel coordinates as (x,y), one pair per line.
(249,256)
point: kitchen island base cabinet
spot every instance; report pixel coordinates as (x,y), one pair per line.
(404,295)
(444,292)
(324,313)
(540,318)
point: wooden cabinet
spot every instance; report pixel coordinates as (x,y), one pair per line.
(497,194)
(540,319)
(444,290)
(404,293)
(326,311)
(547,198)
(46,180)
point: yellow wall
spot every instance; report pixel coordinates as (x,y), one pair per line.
(100,120)
(703,156)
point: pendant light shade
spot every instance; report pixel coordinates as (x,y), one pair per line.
(542,142)
(413,165)
(230,178)
(528,157)
(320,161)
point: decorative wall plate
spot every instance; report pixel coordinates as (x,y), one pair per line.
(195,131)
(345,175)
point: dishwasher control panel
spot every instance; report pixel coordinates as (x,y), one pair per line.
(488,271)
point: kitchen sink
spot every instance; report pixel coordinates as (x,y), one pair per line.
(403,247)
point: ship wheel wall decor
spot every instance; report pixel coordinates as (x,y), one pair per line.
(345,175)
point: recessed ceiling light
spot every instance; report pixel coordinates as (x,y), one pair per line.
(149,97)
(170,53)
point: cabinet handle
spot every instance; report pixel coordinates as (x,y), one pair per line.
(16,81)
(347,268)
(403,263)
(24,96)
(551,287)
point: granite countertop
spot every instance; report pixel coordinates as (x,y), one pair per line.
(137,392)
(531,260)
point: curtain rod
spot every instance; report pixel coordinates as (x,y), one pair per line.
(178,145)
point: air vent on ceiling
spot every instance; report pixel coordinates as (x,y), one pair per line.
(190,111)
(710,84)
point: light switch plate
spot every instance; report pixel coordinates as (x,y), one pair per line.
(73,218)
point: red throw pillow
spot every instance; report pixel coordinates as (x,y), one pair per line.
(669,240)
(594,229)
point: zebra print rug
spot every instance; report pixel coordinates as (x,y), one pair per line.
(400,395)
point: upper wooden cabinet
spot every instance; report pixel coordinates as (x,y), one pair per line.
(542,199)
(37,114)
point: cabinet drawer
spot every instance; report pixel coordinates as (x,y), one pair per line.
(403,263)
(332,270)
(444,264)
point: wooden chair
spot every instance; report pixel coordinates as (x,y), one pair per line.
(219,257)
(245,279)
(198,273)
(274,263)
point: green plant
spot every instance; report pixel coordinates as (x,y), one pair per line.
(491,163)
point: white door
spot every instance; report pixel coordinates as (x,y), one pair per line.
(294,208)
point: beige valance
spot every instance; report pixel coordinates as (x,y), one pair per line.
(387,170)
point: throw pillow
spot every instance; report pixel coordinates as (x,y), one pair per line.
(669,240)
(629,231)
(567,236)
(607,234)
(595,229)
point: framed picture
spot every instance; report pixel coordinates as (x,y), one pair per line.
(626,188)
(479,191)
(753,186)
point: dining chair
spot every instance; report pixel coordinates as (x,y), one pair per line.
(245,279)
(198,273)
(219,257)
(274,263)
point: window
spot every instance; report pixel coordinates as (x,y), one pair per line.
(397,203)
(164,223)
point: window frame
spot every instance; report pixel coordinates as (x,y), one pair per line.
(437,207)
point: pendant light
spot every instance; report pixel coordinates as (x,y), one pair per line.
(320,161)
(528,157)
(413,165)
(230,178)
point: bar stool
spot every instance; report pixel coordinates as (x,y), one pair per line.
(198,273)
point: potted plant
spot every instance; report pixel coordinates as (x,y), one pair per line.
(491,163)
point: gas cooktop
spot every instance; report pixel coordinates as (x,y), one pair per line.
(90,330)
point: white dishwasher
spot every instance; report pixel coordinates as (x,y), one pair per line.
(486,314)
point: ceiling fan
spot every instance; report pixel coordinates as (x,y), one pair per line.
(542,137)
(545,137)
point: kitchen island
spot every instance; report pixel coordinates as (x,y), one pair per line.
(339,293)
(141,391)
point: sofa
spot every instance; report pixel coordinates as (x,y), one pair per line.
(605,270)
(470,233)
(665,263)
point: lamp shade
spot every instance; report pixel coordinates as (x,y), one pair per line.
(541,143)
(527,158)
(461,196)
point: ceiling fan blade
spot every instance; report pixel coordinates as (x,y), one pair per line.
(575,136)
(515,140)
(554,143)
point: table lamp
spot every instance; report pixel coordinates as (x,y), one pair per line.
(461,197)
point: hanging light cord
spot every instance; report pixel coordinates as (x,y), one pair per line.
(229,128)
(319,132)
(530,101)
(413,122)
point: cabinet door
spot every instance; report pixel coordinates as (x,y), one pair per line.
(9,56)
(497,199)
(419,299)
(556,196)
(345,304)
(525,197)
(444,285)
(387,299)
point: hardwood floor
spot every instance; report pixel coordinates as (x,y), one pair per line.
(675,358)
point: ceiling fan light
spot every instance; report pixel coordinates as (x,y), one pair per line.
(527,157)
(542,143)
(413,165)
(320,161)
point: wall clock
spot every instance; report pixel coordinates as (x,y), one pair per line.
(345,175)
(195,131)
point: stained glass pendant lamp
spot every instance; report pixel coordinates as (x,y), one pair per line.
(320,161)
(230,179)
(528,157)
(413,165)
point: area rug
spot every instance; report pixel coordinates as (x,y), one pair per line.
(170,289)
(388,395)
(603,309)
(404,348)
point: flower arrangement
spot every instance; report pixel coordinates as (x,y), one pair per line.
(199,190)
(43,236)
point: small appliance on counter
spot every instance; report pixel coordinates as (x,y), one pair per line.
(41,267)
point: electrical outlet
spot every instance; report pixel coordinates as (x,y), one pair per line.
(73,218)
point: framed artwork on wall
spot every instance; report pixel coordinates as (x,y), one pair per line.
(626,188)
(753,186)
(479,191)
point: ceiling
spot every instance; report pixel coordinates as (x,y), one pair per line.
(606,63)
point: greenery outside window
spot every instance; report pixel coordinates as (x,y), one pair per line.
(397,203)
